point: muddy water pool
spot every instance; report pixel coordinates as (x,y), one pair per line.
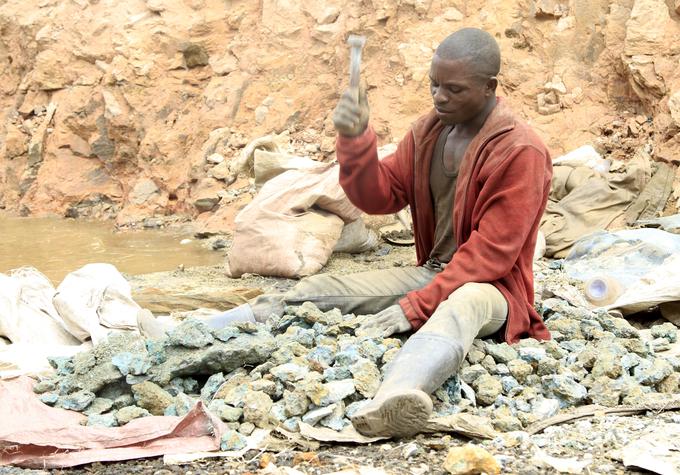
(58,246)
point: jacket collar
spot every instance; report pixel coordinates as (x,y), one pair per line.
(500,119)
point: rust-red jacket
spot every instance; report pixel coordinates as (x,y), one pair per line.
(501,193)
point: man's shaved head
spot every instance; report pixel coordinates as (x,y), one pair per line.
(473,45)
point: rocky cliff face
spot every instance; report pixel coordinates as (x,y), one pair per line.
(111,108)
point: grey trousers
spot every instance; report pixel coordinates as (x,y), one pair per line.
(473,310)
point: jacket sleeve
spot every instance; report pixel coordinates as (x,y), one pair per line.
(372,185)
(511,199)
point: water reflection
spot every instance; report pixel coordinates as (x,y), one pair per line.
(58,246)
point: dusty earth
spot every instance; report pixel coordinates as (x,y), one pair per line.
(111,109)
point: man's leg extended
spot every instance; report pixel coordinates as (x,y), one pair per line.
(434,353)
(361,293)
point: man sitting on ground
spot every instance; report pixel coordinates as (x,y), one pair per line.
(477,180)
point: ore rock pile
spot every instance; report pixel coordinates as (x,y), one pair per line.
(318,368)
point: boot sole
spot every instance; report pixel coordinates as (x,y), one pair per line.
(399,415)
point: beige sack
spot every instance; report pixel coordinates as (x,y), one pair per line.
(292,225)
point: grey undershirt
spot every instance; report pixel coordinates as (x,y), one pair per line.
(443,190)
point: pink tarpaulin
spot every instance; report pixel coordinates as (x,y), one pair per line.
(38,436)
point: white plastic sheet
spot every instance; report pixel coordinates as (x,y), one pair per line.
(646,262)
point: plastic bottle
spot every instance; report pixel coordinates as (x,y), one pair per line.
(603,290)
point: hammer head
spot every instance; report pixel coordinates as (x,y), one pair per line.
(356,41)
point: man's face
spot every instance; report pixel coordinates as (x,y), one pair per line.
(458,92)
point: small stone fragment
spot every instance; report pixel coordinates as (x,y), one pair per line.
(232,440)
(246,428)
(99,406)
(128,413)
(564,389)
(230,414)
(487,389)
(314,416)
(651,373)
(520,369)
(49,398)
(366,377)
(226,333)
(471,459)
(211,386)
(256,407)
(289,372)
(152,397)
(134,364)
(44,386)
(77,401)
(102,420)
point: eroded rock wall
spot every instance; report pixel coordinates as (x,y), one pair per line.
(110,108)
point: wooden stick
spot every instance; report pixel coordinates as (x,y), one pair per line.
(669,404)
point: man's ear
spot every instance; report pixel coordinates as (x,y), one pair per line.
(491,85)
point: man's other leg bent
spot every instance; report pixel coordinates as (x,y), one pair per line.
(428,358)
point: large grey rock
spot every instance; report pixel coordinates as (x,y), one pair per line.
(190,334)
(472,373)
(666,330)
(246,349)
(94,369)
(102,420)
(296,403)
(532,355)
(322,355)
(49,398)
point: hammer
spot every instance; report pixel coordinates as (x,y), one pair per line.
(356,44)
